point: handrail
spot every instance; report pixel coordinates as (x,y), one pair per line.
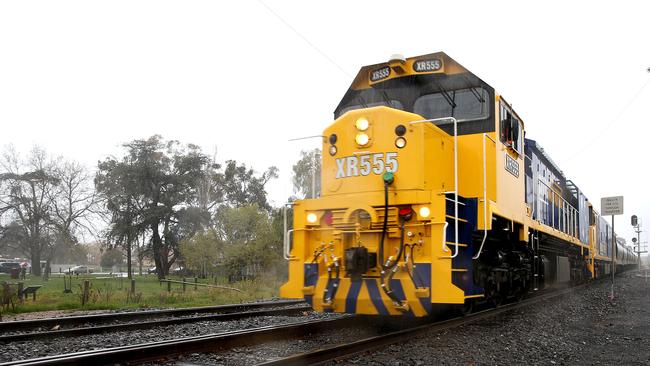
(455,121)
(485,203)
(286,250)
(444,238)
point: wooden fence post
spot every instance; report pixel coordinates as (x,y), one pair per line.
(196,281)
(184,284)
(169,286)
(20,292)
(133,286)
(84,295)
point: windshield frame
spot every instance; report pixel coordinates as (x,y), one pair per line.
(410,88)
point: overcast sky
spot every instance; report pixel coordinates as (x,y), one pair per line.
(79,78)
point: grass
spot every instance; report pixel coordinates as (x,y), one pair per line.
(113,293)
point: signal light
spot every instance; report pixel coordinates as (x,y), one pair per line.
(362,139)
(400,142)
(424,212)
(333,138)
(362,124)
(400,130)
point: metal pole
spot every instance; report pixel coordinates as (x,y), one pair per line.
(313,177)
(638,240)
(613,256)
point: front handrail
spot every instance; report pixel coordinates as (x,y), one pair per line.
(485,202)
(286,249)
(455,121)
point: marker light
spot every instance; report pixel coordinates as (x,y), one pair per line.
(362,124)
(328,218)
(312,218)
(362,139)
(400,142)
(333,150)
(424,212)
(405,213)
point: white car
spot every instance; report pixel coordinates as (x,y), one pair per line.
(79,269)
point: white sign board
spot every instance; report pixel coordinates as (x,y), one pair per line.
(611,206)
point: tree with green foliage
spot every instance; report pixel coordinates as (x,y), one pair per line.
(251,244)
(238,186)
(112,258)
(203,252)
(154,188)
(307,174)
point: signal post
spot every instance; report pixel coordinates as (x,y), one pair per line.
(612,206)
(637,240)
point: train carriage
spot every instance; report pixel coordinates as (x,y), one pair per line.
(431,196)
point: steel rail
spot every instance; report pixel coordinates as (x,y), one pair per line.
(149,324)
(346,350)
(164,349)
(19,325)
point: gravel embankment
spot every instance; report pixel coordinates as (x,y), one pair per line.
(60,345)
(583,328)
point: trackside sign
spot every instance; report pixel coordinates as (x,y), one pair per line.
(611,206)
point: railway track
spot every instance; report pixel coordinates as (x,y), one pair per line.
(167,350)
(160,351)
(34,329)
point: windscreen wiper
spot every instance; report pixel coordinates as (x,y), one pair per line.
(448,98)
(477,95)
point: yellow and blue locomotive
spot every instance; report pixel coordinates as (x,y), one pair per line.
(430,195)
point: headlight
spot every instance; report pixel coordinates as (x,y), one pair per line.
(362,124)
(400,142)
(312,218)
(424,212)
(362,139)
(332,150)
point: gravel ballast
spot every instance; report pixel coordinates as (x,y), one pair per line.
(62,345)
(582,328)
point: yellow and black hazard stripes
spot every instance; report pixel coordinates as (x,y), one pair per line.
(366,296)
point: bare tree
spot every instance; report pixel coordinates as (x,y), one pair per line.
(26,188)
(74,205)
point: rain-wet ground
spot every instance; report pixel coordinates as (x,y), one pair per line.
(583,328)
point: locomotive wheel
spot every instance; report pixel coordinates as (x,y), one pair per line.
(467,307)
(496,300)
(519,294)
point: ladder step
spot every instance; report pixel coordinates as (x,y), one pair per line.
(454,244)
(459,269)
(452,200)
(453,218)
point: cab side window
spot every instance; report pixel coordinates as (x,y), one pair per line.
(510,129)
